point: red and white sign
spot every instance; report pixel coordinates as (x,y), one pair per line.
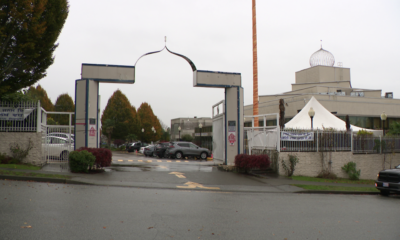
(92,131)
(232,138)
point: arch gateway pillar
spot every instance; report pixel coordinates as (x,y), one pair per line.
(87,102)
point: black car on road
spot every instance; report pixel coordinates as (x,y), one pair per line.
(388,181)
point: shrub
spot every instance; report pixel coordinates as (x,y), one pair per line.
(18,153)
(327,175)
(293,160)
(81,161)
(247,162)
(4,159)
(350,169)
(103,156)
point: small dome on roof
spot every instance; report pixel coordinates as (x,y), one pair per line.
(322,58)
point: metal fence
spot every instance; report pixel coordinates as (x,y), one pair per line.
(315,141)
(19,116)
(295,140)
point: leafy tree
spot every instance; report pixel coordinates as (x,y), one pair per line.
(131,137)
(18,96)
(108,127)
(148,120)
(28,32)
(166,137)
(187,138)
(394,129)
(64,103)
(121,112)
(39,93)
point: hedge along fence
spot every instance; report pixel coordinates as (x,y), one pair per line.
(248,162)
(103,156)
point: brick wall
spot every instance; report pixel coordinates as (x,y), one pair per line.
(22,138)
(310,163)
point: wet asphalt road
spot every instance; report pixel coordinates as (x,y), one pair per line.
(30,210)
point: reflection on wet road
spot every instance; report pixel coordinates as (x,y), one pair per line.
(142,164)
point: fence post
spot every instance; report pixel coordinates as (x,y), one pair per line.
(39,118)
(352,143)
(317,139)
(380,141)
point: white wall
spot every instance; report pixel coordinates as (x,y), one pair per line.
(310,164)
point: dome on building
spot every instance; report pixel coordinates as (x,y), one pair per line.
(322,58)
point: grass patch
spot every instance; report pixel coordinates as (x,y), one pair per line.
(32,174)
(339,180)
(337,188)
(20,166)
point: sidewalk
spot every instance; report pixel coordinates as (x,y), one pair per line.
(214,181)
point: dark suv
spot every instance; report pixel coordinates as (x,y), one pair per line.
(180,150)
(136,146)
(161,149)
(388,181)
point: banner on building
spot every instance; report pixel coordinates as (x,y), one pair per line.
(297,137)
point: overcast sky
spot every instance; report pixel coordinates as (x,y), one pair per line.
(217,35)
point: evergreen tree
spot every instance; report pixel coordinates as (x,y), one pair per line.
(39,93)
(121,112)
(28,32)
(148,120)
(64,103)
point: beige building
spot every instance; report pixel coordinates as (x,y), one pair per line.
(331,86)
(187,126)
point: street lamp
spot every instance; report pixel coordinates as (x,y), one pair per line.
(383,118)
(179,129)
(200,126)
(311,113)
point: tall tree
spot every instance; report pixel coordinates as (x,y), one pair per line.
(39,93)
(64,103)
(28,33)
(121,112)
(148,121)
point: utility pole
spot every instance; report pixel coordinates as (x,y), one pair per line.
(255,67)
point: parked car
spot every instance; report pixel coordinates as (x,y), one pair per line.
(141,150)
(161,149)
(57,147)
(136,146)
(388,181)
(180,150)
(62,135)
(149,151)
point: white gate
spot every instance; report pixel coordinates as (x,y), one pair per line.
(218,132)
(57,140)
(262,138)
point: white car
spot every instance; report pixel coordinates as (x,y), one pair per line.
(142,150)
(57,147)
(62,135)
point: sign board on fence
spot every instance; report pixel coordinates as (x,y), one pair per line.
(291,136)
(16,114)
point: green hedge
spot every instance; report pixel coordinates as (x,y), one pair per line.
(81,161)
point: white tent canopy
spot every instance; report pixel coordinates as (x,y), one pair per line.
(322,119)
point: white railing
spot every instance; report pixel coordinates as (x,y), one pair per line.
(20,117)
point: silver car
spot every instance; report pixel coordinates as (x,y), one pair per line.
(180,150)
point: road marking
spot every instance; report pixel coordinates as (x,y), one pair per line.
(178,174)
(186,161)
(130,160)
(159,161)
(120,160)
(197,185)
(140,160)
(164,167)
(149,160)
(169,161)
(177,161)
